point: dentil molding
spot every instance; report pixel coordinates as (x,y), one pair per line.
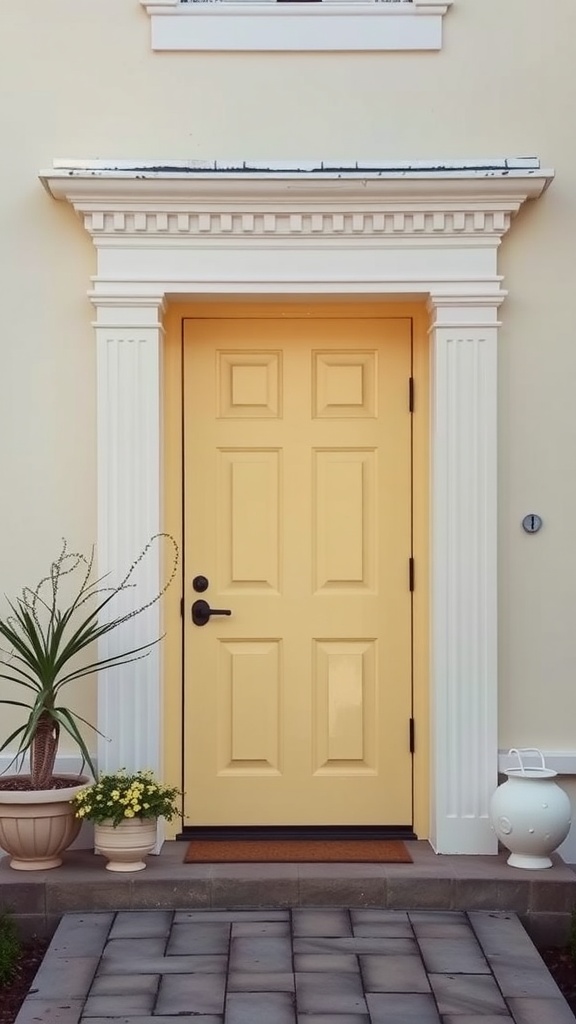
(424,223)
(361,201)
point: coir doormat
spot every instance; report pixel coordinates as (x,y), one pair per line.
(344,851)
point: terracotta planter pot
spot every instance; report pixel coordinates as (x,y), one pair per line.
(36,826)
(125,845)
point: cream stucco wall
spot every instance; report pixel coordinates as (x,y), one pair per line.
(79,80)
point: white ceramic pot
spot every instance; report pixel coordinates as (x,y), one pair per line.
(37,825)
(125,845)
(531,814)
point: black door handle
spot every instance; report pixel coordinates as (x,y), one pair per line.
(201,612)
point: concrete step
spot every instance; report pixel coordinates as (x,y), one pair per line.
(543,900)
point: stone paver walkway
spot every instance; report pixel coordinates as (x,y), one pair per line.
(301,966)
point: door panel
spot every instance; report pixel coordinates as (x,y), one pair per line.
(297,440)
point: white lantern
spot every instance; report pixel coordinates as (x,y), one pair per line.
(530,813)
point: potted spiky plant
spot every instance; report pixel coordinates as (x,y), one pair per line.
(48,632)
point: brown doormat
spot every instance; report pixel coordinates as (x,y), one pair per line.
(345,851)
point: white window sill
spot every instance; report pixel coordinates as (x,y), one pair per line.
(267,25)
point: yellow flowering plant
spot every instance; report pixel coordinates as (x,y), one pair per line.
(122,796)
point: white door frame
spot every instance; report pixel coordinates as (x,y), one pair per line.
(195,230)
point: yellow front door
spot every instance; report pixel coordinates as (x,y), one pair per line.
(297,452)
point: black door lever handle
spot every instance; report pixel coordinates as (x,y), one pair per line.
(201,612)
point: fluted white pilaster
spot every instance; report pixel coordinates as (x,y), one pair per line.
(464,572)
(129,343)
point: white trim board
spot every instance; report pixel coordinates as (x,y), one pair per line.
(68,764)
(561,761)
(430,231)
(296,27)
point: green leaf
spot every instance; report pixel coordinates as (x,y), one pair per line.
(32,684)
(46,637)
(12,736)
(66,719)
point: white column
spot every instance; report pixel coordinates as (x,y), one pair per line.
(129,360)
(464,686)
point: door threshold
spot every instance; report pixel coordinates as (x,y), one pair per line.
(327,832)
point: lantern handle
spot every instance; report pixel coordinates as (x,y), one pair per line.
(527,750)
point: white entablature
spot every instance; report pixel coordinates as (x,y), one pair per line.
(365,203)
(427,230)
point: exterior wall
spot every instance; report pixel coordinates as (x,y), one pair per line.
(81,81)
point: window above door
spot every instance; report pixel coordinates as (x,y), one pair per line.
(296,25)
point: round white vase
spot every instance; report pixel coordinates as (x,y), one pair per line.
(125,845)
(530,813)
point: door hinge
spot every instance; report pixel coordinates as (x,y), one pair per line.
(411,573)
(412,730)
(181,607)
(410,394)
